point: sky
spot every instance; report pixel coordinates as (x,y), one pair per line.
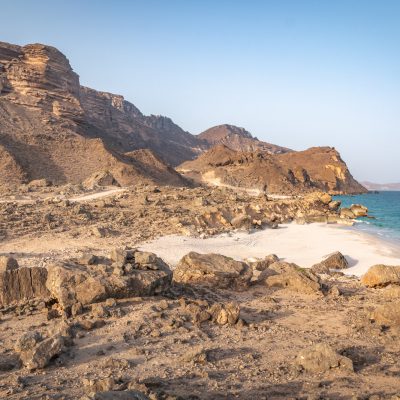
(298,73)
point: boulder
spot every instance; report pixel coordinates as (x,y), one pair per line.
(242,221)
(334,205)
(22,284)
(40,353)
(145,259)
(333,261)
(346,213)
(212,270)
(322,358)
(288,275)
(320,197)
(359,210)
(387,315)
(381,275)
(72,283)
(261,265)
(224,314)
(28,341)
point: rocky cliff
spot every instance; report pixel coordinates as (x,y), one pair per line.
(52,127)
(318,168)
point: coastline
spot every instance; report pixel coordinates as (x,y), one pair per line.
(304,245)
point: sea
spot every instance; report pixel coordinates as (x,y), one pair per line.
(383,207)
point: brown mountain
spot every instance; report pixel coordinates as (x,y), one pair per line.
(318,168)
(238,139)
(51,127)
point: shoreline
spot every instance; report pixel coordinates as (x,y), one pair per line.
(304,245)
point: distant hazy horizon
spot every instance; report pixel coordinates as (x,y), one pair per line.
(295,73)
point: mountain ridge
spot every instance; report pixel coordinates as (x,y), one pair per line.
(54,128)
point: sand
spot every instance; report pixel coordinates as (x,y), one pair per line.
(304,245)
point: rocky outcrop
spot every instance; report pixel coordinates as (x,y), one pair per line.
(322,358)
(359,210)
(387,315)
(212,270)
(238,139)
(319,168)
(125,274)
(288,275)
(381,275)
(19,284)
(331,262)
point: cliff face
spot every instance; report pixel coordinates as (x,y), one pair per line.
(51,127)
(123,126)
(319,168)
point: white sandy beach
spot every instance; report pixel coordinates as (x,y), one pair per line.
(304,245)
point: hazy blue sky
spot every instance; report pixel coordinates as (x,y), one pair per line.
(296,73)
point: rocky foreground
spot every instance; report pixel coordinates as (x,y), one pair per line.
(127,327)
(85,315)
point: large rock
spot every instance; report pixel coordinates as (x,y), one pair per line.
(322,358)
(21,284)
(381,275)
(224,314)
(359,210)
(387,315)
(36,353)
(333,261)
(212,270)
(288,275)
(72,283)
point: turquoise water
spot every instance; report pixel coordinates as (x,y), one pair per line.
(384,207)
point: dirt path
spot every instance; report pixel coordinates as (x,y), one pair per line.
(76,199)
(97,195)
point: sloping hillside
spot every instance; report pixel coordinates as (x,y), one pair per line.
(290,173)
(238,139)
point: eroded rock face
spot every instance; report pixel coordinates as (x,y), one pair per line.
(318,168)
(322,358)
(212,270)
(291,276)
(21,284)
(8,264)
(126,277)
(381,275)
